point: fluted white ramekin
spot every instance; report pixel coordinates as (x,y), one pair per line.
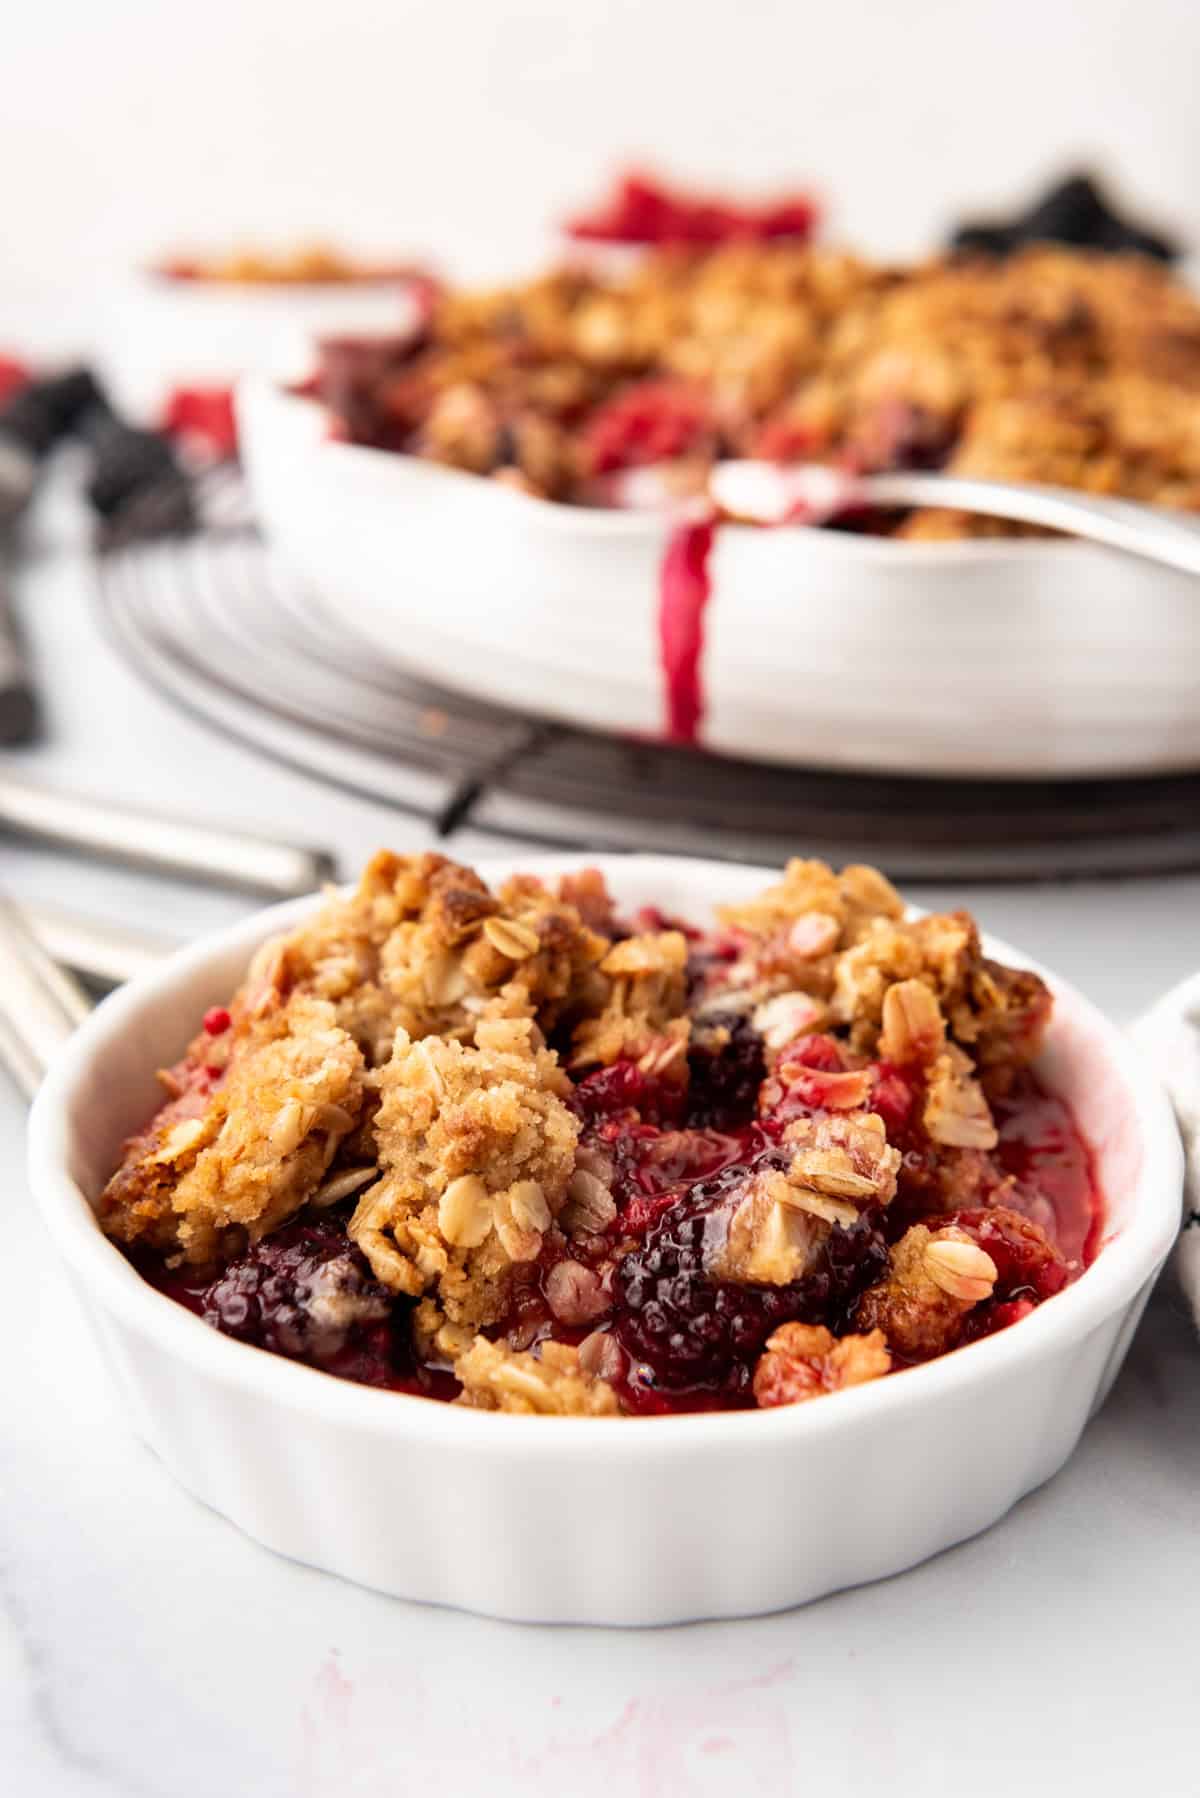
(1004,657)
(586,1520)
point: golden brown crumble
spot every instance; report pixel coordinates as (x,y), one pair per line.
(642,1017)
(423,946)
(241,1161)
(1055,365)
(476,1149)
(998,1013)
(789,942)
(803,1361)
(811,912)
(934,1279)
(550,1383)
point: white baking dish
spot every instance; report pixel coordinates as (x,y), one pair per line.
(1023,658)
(585,1520)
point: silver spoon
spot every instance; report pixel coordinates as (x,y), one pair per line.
(810,493)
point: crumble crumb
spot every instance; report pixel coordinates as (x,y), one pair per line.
(788,934)
(804,1361)
(425,947)
(934,1279)
(998,1013)
(292,1091)
(642,1018)
(476,1148)
(551,1383)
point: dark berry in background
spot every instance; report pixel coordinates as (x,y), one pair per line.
(1076,211)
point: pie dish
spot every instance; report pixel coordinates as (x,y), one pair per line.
(500,1517)
(1053,365)
(1015,657)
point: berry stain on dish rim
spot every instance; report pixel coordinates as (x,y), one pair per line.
(759,493)
(518,1151)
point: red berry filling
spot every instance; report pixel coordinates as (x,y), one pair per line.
(650,422)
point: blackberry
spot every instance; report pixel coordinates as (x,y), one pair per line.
(727,1066)
(694,1331)
(305,1292)
(1074,211)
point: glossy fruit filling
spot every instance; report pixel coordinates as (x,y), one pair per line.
(681,1338)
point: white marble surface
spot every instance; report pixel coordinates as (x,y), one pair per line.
(148,1649)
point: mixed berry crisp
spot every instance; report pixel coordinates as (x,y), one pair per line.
(622,387)
(518,1150)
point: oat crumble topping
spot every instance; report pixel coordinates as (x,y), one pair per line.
(1056,365)
(514,1149)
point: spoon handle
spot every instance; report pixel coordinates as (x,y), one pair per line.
(40,1004)
(1146,531)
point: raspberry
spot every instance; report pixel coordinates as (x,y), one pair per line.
(13,374)
(893,1098)
(822,1053)
(650,422)
(642,210)
(204,416)
(1027,1262)
(217,1020)
(623,1087)
(694,1331)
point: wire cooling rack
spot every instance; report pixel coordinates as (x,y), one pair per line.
(217,625)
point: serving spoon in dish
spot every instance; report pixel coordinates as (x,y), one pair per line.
(811,493)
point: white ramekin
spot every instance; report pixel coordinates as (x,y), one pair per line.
(599,1520)
(1003,657)
(164,333)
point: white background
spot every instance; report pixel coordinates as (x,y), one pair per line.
(460,127)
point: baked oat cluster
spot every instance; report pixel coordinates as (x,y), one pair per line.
(1055,365)
(519,1150)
